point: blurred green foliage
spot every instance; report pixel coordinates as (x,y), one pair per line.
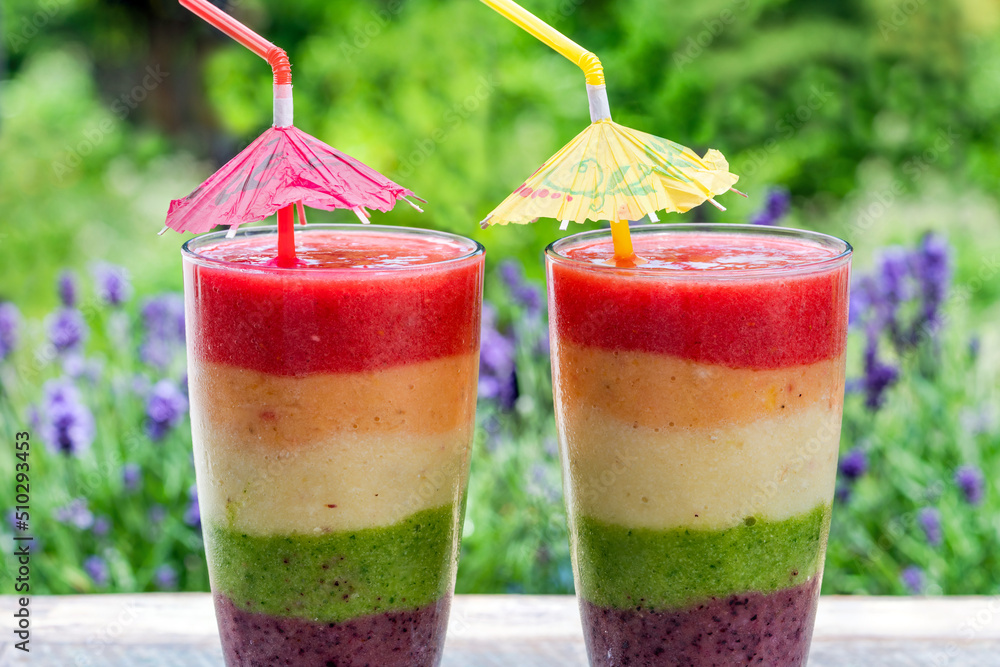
(881,117)
(940,416)
(87,505)
(515,488)
(842,102)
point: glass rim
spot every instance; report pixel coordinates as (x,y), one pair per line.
(189,250)
(845,250)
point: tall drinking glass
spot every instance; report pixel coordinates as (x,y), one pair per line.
(332,409)
(698,398)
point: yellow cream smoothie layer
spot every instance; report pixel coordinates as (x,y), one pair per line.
(347,482)
(680,443)
(332,451)
(714,478)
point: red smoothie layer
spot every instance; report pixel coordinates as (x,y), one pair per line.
(734,300)
(358,301)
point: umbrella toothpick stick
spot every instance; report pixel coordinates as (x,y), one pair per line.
(282,170)
(286,236)
(596,92)
(622,239)
(282,68)
(608,172)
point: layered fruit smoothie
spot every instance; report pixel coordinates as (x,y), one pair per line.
(698,399)
(332,409)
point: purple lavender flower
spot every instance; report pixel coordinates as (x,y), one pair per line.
(163,320)
(543,344)
(974,345)
(854,386)
(102,526)
(497,373)
(34,418)
(75,514)
(842,493)
(879,376)
(523,293)
(931,266)
(67,329)
(511,273)
(164,408)
(113,285)
(884,291)
(156,353)
(192,516)
(492,427)
(528,297)
(73,365)
(860,301)
(67,425)
(165,578)
(776,206)
(60,391)
(131,476)
(157,513)
(893,270)
(10,324)
(971,482)
(97,568)
(913,579)
(900,277)
(66,287)
(141,385)
(854,464)
(539,485)
(77,366)
(930,520)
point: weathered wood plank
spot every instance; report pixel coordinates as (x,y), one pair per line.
(889,653)
(947,618)
(499,631)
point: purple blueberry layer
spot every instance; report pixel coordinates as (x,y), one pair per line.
(393,639)
(746,629)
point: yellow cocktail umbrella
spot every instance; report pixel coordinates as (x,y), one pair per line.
(608,171)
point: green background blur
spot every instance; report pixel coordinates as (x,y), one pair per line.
(880,116)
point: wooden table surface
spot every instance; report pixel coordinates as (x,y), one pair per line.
(178,630)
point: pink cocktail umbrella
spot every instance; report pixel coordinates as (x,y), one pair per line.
(282,168)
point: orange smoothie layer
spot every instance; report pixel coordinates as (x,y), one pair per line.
(666,392)
(421,398)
